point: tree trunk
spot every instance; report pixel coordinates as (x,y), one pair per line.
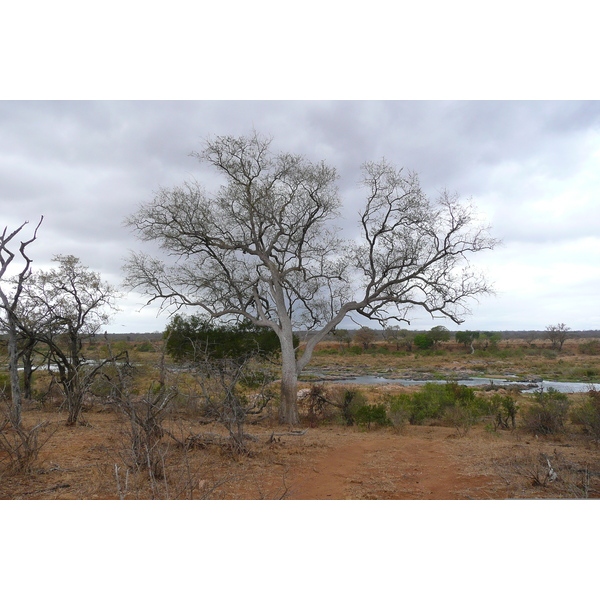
(288,405)
(74,404)
(13,367)
(74,394)
(27,374)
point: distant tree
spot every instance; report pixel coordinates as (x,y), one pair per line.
(490,339)
(530,337)
(11,288)
(467,338)
(407,337)
(392,334)
(365,336)
(439,334)
(423,341)
(557,334)
(264,247)
(342,336)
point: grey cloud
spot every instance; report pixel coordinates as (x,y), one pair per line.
(87,165)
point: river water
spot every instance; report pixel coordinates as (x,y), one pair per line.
(567,387)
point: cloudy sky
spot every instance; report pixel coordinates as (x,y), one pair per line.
(530,167)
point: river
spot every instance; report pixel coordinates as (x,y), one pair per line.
(567,387)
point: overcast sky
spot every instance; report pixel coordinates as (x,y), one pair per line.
(531,168)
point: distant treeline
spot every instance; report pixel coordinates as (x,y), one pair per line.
(506,335)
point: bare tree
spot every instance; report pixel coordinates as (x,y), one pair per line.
(557,334)
(365,336)
(10,292)
(264,247)
(392,334)
(72,303)
(342,337)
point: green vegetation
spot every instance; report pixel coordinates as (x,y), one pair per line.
(189,337)
(434,400)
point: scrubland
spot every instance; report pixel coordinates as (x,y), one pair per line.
(155,440)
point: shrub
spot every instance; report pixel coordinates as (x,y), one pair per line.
(503,409)
(371,413)
(434,401)
(548,414)
(588,415)
(591,348)
(19,445)
(348,401)
(427,404)
(398,411)
(356,350)
(327,351)
(460,417)
(145,347)
(318,404)
(423,341)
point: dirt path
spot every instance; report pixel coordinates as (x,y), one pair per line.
(394,467)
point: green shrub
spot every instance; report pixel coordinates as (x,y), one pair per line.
(434,401)
(423,341)
(327,351)
(427,404)
(368,414)
(355,350)
(548,414)
(145,347)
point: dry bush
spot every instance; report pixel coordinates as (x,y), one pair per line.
(547,415)
(588,415)
(459,417)
(315,403)
(233,391)
(21,445)
(397,412)
(557,475)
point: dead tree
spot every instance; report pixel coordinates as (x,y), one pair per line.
(10,292)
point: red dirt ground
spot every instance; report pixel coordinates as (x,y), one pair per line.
(327,462)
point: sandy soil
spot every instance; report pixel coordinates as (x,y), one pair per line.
(327,462)
(389,466)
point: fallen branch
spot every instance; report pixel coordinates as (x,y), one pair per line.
(276,435)
(290,433)
(52,489)
(202,440)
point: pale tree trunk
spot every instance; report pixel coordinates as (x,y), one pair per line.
(291,366)
(288,406)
